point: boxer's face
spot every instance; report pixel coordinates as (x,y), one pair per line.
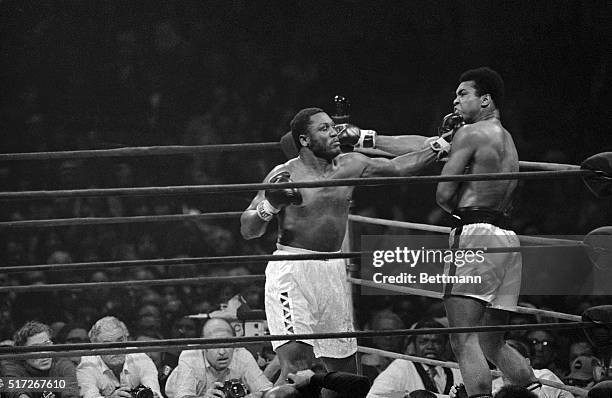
(466,102)
(322,136)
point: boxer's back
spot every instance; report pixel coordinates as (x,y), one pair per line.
(495,153)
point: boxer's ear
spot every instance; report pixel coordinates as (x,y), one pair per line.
(304,140)
(485,100)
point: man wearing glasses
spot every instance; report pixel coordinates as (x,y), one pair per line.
(114,375)
(543,351)
(34,334)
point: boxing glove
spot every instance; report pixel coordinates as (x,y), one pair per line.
(354,136)
(442,144)
(278,199)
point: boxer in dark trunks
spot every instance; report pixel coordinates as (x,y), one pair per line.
(482,208)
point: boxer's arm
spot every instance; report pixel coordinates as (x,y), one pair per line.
(404,165)
(465,143)
(399,144)
(251,224)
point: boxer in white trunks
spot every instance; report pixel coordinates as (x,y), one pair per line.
(482,145)
(311,296)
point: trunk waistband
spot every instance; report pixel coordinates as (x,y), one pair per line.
(476,214)
(299,249)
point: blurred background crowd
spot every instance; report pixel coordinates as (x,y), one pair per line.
(108,74)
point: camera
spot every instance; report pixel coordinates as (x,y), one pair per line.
(141,392)
(234,388)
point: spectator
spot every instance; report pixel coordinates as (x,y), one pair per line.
(114,375)
(403,376)
(73,333)
(38,334)
(543,392)
(543,351)
(579,348)
(201,372)
(372,364)
(583,371)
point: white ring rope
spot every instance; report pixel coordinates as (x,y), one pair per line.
(535,240)
(439,295)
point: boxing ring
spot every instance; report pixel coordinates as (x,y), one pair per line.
(529,171)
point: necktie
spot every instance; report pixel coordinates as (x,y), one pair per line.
(432,372)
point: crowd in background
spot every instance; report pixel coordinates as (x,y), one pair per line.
(174,77)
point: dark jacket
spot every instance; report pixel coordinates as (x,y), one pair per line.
(61,368)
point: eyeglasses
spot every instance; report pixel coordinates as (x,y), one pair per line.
(545,343)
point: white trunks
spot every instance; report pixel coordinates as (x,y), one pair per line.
(310,296)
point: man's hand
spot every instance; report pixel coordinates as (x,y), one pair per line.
(215,391)
(458,391)
(301,378)
(231,311)
(121,392)
(281,198)
(350,135)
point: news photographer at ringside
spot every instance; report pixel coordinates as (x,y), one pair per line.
(115,375)
(203,373)
(311,296)
(38,334)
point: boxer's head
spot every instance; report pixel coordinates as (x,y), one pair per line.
(479,89)
(314,129)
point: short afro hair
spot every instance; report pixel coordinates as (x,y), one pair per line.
(486,81)
(28,330)
(299,124)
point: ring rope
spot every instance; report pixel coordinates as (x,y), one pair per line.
(180,261)
(63,222)
(224,188)
(195,343)
(131,283)
(192,217)
(249,258)
(439,295)
(195,149)
(455,365)
(438,228)
(140,151)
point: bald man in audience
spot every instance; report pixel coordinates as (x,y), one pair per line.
(202,373)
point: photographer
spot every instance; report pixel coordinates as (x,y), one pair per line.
(116,375)
(203,373)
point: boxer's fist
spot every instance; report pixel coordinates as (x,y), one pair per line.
(281,198)
(354,136)
(450,124)
(440,146)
